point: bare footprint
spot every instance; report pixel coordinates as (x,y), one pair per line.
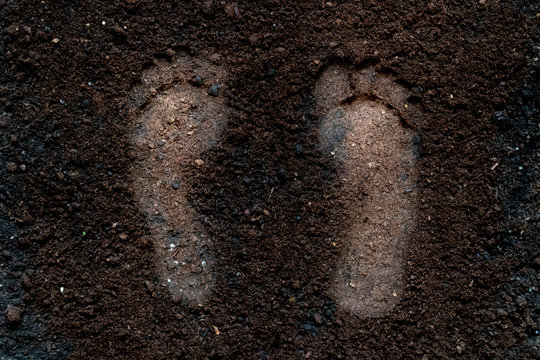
(179,114)
(361,128)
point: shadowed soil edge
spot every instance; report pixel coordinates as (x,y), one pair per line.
(77,271)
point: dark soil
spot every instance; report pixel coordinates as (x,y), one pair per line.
(66,70)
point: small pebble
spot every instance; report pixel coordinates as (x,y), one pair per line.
(26,282)
(199,162)
(11,167)
(500,115)
(13,316)
(246,180)
(196,80)
(160,143)
(318,319)
(86,103)
(213,90)
(232,10)
(175,185)
(12,29)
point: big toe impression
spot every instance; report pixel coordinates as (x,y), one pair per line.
(361,128)
(179,113)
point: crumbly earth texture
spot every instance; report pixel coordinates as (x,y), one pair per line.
(361,129)
(80,269)
(178,115)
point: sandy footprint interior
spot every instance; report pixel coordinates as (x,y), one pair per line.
(179,114)
(360,127)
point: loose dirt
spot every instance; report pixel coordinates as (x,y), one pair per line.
(82,257)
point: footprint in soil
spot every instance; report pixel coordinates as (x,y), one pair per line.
(361,128)
(180,113)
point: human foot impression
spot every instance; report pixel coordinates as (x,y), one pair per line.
(179,114)
(361,128)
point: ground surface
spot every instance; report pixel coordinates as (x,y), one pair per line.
(78,273)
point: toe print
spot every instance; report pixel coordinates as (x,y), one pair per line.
(180,113)
(361,128)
